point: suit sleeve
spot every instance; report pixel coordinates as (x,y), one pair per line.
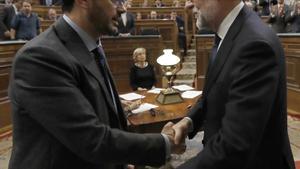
(132,29)
(3,27)
(197,116)
(251,97)
(55,101)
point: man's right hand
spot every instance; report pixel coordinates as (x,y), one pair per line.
(181,130)
(7,34)
(170,132)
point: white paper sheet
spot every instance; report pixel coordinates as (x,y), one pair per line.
(131,96)
(190,94)
(183,87)
(144,107)
(155,90)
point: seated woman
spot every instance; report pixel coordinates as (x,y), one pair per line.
(142,76)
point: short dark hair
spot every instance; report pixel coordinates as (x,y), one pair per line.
(67,5)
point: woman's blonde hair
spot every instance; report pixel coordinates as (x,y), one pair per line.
(138,51)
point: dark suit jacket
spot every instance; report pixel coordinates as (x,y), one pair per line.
(7,14)
(243,107)
(63,114)
(130,24)
(294,23)
(279,22)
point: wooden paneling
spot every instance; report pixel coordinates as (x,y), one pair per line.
(7,51)
(165,12)
(119,52)
(291,45)
(42,11)
(45,24)
(203,46)
(167,29)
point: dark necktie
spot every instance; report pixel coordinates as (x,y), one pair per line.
(101,62)
(214,50)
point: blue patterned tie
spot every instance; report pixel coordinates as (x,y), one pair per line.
(101,62)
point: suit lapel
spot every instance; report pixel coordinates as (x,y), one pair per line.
(80,52)
(224,50)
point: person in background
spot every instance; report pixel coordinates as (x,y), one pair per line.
(153,15)
(7,12)
(138,16)
(26,24)
(145,4)
(181,31)
(176,3)
(158,4)
(126,22)
(142,74)
(242,109)
(52,15)
(278,16)
(293,19)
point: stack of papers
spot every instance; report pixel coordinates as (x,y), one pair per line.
(190,94)
(131,96)
(155,90)
(144,107)
(183,87)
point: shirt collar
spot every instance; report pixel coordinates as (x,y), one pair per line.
(229,19)
(89,42)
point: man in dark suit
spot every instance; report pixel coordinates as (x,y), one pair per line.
(7,13)
(278,16)
(126,23)
(181,32)
(293,19)
(243,107)
(66,110)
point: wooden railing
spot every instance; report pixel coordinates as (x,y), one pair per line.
(7,51)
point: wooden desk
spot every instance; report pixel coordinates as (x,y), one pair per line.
(146,123)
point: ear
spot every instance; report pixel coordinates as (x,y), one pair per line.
(82,3)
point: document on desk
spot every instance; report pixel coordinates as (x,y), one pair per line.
(155,90)
(183,87)
(190,94)
(144,107)
(131,96)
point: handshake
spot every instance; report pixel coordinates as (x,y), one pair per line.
(177,134)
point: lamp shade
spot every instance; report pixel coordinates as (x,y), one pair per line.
(168,58)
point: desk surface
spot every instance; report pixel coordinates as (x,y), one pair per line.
(142,122)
